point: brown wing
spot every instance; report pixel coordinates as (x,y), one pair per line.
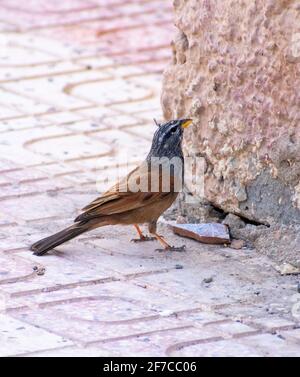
(118,199)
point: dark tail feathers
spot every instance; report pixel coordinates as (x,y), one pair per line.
(41,247)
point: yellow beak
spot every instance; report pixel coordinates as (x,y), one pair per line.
(186,122)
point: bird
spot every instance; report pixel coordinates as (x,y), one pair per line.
(133,200)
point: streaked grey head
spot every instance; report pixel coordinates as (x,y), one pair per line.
(168,138)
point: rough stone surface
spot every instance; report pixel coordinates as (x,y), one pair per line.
(282,243)
(236,71)
(80,84)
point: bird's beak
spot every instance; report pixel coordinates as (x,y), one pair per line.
(186,122)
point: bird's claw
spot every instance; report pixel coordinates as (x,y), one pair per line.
(173,248)
(143,239)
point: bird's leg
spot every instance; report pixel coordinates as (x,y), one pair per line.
(166,245)
(142,237)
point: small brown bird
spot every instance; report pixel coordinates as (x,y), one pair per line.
(124,204)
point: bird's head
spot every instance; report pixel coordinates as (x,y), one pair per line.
(168,137)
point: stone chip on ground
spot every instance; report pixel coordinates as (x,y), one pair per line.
(287,269)
(212,233)
(237,244)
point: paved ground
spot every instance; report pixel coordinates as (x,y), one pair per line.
(79,86)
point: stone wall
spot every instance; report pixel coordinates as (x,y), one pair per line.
(236,71)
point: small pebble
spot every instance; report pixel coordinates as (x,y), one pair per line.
(41,271)
(179,266)
(52,193)
(237,244)
(208,280)
(180,220)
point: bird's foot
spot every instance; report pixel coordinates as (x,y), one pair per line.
(173,248)
(143,239)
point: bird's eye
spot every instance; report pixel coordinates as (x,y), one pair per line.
(173,130)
